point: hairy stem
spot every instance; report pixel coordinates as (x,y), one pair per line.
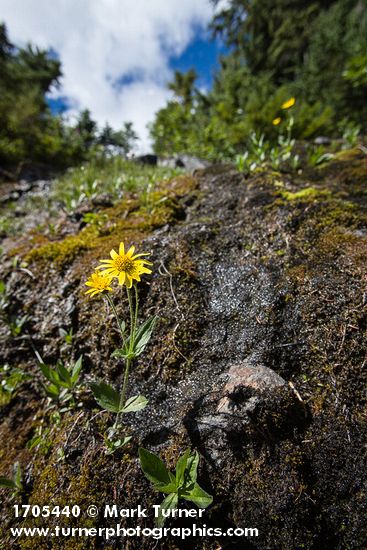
(109,300)
(136,309)
(123,390)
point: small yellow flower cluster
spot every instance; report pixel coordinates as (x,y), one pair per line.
(286,105)
(124,266)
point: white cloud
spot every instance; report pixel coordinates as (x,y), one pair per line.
(99,41)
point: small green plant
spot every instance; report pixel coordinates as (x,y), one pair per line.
(95,219)
(261,154)
(10,380)
(350,133)
(317,155)
(16,324)
(127,268)
(67,335)
(3,296)
(63,380)
(15,483)
(102,175)
(42,439)
(113,440)
(182,484)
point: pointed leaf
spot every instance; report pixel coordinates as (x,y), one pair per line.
(143,335)
(52,391)
(8,483)
(154,469)
(171,487)
(76,371)
(180,468)
(64,375)
(136,403)
(46,371)
(17,475)
(106,396)
(191,469)
(169,503)
(50,374)
(197,495)
(121,353)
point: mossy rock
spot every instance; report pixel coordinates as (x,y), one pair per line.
(242,267)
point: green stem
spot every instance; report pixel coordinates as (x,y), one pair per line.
(132,319)
(123,391)
(116,315)
(136,308)
(133,323)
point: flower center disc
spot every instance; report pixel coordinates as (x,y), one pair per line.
(124,264)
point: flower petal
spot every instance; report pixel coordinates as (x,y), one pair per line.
(287,104)
(113,255)
(121,278)
(121,249)
(131,251)
(142,254)
(106,267)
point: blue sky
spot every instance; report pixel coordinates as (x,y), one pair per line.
(203,55)
(117,55)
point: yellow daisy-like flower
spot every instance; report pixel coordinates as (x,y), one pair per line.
(126,267)
(99,282)
(289,103)
(277,121)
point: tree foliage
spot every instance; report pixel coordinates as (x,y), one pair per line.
(29,132)
(315,51)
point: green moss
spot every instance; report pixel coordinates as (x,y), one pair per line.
(128,219)
(306,194)
(65,251)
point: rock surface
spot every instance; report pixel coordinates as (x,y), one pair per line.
(258,359)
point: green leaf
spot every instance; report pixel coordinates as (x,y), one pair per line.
(64,375)
(154,469)
(197,495)
(46,371)
(17,476)
(7,483)
(52,391)
(143,335)
(32,443)
(136,403)
(121,353)
(117,444)
(171,487)
(191,470)
(106,396)
(76,371)
(180,468)
(169,503)
(51,374)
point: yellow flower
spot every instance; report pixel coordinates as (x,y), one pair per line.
(99,282)
(277,121)
(125,267)
(288,104)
